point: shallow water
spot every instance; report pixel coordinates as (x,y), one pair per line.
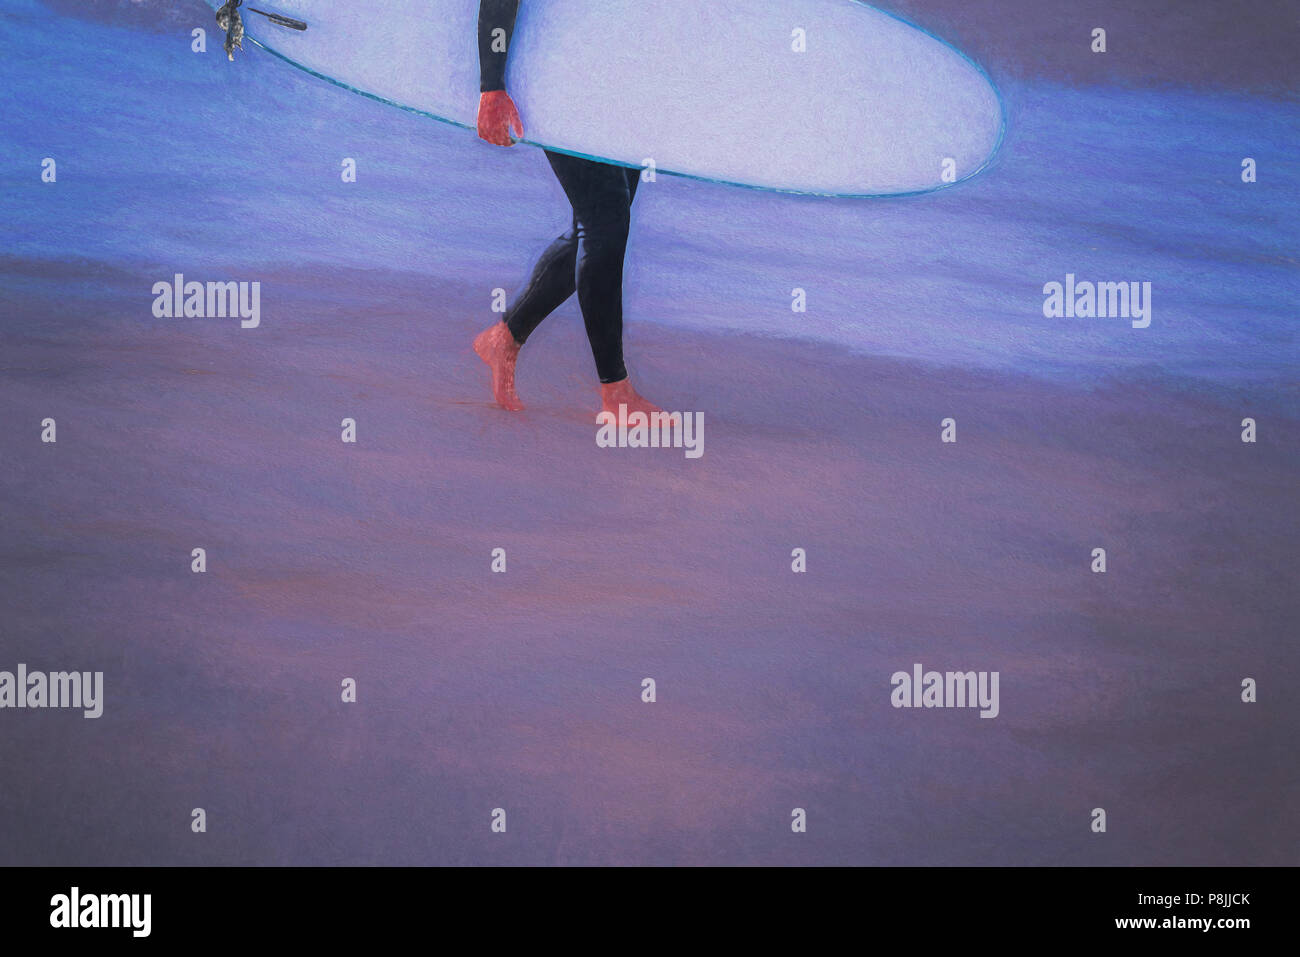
(172,161)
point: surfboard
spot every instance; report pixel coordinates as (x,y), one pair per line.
(829,97)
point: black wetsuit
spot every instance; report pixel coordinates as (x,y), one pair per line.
(588,258)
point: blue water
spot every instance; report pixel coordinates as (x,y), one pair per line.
(174,161)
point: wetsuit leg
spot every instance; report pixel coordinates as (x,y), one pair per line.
(551,283)
(587,259)
(601,195)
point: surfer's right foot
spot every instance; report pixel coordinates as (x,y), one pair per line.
(497,347)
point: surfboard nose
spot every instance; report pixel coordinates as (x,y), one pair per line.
(819,96)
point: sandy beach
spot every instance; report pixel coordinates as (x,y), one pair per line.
(522,690)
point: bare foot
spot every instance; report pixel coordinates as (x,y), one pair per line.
(614,394)
(497,347)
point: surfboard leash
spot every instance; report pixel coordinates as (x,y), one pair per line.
(282,20)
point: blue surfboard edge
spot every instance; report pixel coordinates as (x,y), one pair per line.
(997,144)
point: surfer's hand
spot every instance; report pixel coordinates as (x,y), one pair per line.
(497,116)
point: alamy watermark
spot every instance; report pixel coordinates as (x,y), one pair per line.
(75,909)
(951,689)
(57,689)
(179,299)
(653,430)
(1103,300)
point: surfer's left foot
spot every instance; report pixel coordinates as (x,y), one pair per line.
(614,394)
(497,347)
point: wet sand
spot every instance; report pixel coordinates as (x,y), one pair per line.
(523,690)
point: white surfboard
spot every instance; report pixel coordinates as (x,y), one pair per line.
(830,97)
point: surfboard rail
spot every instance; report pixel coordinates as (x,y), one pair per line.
(256,36)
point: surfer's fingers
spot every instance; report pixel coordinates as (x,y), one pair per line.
(494,132)
(516,124)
